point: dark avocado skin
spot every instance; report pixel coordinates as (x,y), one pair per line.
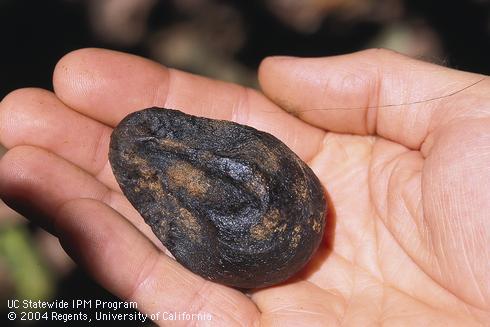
(232,204)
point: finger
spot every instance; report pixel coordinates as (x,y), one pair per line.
(37,117)
(36,182)
(358,93)
(298,304)
(456,212)
(107,85)
(128,265)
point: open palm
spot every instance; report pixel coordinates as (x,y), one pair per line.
(408,233)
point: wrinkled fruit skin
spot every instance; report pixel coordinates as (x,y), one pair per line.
(231,203)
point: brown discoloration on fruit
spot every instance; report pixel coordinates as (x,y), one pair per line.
(189,222)
(231,203)
(172,144)
(316,226)
(149,178)
(295,239)
(268,225)
(269,156)
(161,229)
(186,176)
(301,190)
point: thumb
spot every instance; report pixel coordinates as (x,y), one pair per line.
(372,92)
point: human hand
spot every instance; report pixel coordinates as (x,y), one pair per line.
(408,232)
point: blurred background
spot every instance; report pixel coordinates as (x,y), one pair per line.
(221,39)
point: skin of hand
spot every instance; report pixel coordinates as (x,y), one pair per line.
(408,234)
